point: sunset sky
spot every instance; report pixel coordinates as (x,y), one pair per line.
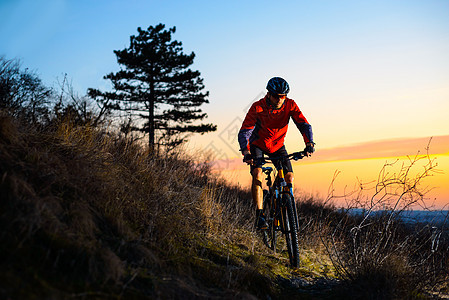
(372,77)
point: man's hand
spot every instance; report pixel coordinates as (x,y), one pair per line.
(309,149)
(247,157)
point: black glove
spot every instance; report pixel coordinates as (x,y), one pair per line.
(298,155)
(309,149)
(247,157)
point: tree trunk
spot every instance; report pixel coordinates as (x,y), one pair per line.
(151,118)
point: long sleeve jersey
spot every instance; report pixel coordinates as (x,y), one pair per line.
(266,127)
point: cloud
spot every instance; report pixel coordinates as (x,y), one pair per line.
(394,148)
(385,148)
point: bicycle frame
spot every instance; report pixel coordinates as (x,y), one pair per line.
(281,215)
(280,186)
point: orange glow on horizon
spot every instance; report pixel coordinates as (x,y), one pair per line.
(313,176)
(314,179)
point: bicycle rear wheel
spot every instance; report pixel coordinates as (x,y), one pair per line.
(269,235)
(291,235)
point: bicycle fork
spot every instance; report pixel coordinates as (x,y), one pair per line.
(288,188)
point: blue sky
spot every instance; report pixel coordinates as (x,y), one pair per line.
(359,70)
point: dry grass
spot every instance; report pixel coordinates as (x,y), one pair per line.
(87,213)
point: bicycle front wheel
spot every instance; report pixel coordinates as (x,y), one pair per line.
(291,235)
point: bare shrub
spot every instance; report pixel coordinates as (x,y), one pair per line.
(376,252)
(22,92)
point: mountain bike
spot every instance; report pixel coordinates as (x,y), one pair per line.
(280,209)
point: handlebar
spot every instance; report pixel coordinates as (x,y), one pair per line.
(295,156)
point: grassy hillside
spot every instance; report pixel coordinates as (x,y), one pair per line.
(85,213)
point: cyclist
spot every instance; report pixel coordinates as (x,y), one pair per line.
(263,131)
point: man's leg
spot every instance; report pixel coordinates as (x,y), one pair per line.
(256,188)
(289,177)
(288,169)
(257,193)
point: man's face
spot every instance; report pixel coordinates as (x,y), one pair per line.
(277,100)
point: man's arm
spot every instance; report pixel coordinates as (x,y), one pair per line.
(245,133)
(245,149)
(301,123)
(243,137)
(304,127)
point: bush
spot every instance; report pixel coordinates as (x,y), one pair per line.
(23,93)
(376,253)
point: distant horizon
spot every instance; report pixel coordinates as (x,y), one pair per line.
(314,175)
(439,145)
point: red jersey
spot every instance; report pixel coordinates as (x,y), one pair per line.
(266,127)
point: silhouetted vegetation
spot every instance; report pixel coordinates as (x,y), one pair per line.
(84,212)
(22,92)
(156,86)
(375,253)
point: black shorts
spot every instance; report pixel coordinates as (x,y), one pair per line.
(258,160)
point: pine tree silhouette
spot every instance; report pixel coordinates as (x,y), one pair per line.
(156,85)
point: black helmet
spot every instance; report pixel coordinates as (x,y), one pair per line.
(278,86)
